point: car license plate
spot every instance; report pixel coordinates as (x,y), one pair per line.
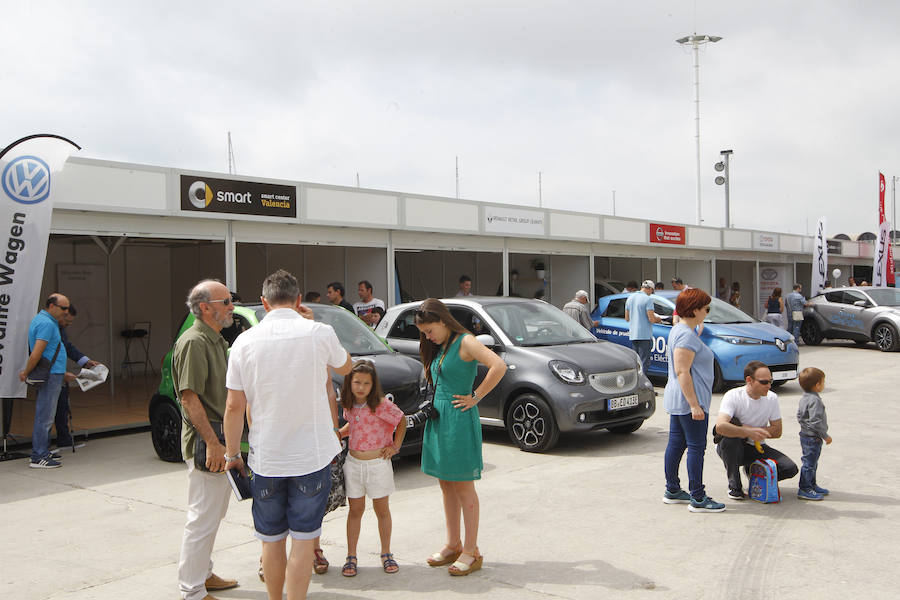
(623,402)
(780,375)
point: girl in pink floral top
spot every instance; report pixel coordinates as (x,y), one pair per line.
(376,428)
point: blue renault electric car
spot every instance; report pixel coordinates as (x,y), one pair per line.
(735,338)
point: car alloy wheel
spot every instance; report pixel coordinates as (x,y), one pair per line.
(165,429)
(810,332)
(531,424)
(885,337)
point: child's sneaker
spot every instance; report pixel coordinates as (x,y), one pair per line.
(820,490)
(679,497)
(810,495)
(736,494)
(707,505)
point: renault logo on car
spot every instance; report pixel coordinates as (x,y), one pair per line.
(27,180)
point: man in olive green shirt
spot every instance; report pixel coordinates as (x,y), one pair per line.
(199,362)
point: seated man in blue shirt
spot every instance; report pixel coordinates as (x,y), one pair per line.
(45,341)
(639,314)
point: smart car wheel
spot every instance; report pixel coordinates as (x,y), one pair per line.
(531,424)
(885,337)
(165,429)
(810,332)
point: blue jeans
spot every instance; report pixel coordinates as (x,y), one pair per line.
(686,433)
(44,411)
(643,347)
(794,326)
(812,448)
(290,505)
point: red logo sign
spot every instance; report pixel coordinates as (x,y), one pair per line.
(666,234)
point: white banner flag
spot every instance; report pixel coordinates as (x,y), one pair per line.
(881,268)
(29,172)
(819,260)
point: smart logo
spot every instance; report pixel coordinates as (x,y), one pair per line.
(27,180)
(200,194)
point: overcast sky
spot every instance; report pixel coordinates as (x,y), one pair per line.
(594,94)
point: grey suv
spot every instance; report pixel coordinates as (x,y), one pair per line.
(862,314)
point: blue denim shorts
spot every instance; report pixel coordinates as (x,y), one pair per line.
(295,505)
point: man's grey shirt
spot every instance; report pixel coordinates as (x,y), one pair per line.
(579,312)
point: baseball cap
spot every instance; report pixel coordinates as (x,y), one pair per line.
(648,284)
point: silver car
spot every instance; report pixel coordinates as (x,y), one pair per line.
(862,314)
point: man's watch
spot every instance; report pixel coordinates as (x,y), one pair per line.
(231,458)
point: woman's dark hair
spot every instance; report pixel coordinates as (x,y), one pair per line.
(433,310)
(348,400)
(691,300)
(776,293)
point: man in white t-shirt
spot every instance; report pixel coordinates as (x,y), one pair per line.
(747,415)
(278,370)
(369,308)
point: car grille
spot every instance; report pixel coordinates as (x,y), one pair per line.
(615,382)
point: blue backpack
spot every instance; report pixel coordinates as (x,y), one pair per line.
(764,481)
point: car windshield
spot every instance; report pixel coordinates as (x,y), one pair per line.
(537,324)
(355,336)
(885,297)
(722,312)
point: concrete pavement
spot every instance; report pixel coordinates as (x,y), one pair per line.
(584,521)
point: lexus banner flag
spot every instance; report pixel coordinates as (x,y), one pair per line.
(29,173)
(889,256)
(881,269)
(819,259)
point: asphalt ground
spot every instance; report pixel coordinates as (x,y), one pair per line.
(582,521)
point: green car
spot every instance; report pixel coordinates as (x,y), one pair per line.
(402,378)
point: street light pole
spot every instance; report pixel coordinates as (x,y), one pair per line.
(695,42)
(725,166)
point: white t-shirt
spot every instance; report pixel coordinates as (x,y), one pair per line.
(280,365)
(759,412)
(363,308)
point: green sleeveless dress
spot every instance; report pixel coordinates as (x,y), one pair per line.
(451,444)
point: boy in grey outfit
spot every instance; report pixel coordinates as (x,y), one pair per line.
(813,430)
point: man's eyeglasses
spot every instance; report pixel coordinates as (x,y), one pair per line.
(224,301)
(61,307)
(764,381)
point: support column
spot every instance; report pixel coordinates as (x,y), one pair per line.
(505,263)
(591,289)
(392,298)
(714,286)
(756,288)
(230,258)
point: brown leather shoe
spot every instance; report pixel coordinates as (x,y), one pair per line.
(208,597)
(215,583)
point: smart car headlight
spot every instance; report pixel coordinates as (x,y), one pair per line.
(567,372)
(738,339)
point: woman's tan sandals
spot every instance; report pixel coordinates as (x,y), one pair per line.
(461,568)
(446,556)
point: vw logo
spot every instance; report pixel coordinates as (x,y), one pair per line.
(27,180)
(620,381)
(780,344)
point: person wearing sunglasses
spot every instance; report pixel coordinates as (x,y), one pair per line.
(747,415)
(45,341)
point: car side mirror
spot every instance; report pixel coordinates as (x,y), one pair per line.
(487,340)
(862,303)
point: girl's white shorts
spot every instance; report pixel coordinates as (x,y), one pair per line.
(373,478)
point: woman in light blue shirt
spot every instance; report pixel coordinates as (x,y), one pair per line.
(686,399)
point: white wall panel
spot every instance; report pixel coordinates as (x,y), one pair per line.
(567,225)
(347,206)
(625,231)
(791,243)
(440,214)
(110,188)
(734,238)
(704,238)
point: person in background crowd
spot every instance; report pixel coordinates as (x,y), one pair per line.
(795,303)
(640,314)
(631,287)
(198,371)
(687,398)
(735,298)
(64,439)
(864,283)
(678,284)
(660,285)
(722,290)
(312,298)
(851,282)
(45,341)
(369,308)
(578,310)
(335,294)
(465,286)
(775,309)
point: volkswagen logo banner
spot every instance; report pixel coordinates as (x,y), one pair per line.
(30,169)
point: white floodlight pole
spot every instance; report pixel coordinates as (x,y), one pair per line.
(696,41)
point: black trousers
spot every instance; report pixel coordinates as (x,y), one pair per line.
(737,453)
(63,413)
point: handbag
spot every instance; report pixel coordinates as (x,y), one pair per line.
(41,372)
(200,445)
(796,315)
(337,496)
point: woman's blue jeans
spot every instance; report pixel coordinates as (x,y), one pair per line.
(686,434)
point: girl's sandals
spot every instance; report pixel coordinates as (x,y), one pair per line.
(349,568)
(320,563)
(388,563)
(439,559)
(461,568)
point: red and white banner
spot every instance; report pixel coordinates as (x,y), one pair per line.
(667,234)
(889,256)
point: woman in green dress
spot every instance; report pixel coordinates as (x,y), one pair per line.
(451,445)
